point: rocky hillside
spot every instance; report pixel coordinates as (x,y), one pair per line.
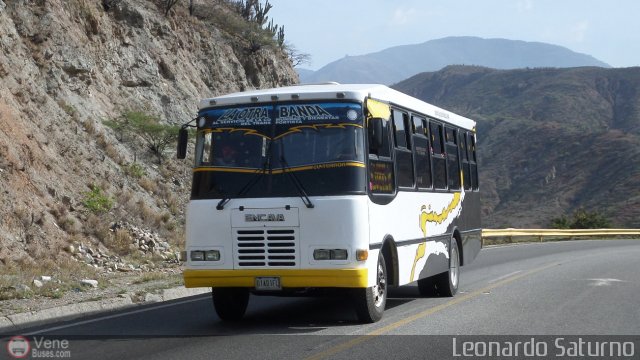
(551,140)
(66,179)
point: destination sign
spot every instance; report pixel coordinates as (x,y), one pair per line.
(297,114)
(381,176)
(241,116)
(284,115)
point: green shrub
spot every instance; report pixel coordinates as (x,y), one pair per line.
(561,222)
(581,219)
(134,170)
(156,137)
(96,201)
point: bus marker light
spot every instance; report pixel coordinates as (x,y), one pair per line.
(362,255)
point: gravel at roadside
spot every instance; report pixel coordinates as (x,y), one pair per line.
(117,291)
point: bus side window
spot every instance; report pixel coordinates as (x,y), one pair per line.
(385,149)
(438,155)
(422,153)
(400,129)
(418,125)
(464,155)
(403,155)
(453,164)
(381,172)
(473,162)
(204,150)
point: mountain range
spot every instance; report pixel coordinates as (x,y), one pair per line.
(400,62)
(550,141)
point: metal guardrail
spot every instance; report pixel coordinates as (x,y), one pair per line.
(492,236)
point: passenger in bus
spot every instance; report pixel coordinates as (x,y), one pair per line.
(228,157)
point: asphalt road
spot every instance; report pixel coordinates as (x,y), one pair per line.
(557,288)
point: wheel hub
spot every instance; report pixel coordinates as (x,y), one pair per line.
(381,286)
(455,266)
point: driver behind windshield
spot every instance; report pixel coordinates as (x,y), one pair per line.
(227,156)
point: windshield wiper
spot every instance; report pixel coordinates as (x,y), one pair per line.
(303,194)
(254,180)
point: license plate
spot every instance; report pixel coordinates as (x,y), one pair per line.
(268,283)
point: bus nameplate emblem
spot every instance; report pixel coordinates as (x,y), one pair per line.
(263,217)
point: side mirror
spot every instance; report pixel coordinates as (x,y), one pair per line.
(183,138)
(375,132)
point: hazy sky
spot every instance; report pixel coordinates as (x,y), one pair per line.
(328,30)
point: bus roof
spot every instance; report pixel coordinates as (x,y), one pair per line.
(357,92)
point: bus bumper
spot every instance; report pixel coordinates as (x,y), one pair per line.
(333,278)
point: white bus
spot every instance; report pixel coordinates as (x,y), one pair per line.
(349,187)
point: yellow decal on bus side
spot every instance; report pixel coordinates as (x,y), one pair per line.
(434,217)
(378,109)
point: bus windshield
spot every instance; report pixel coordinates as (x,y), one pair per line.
(281,136)
(323,142)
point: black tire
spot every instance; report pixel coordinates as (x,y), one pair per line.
(230,303)
(427,287)
(370,302)
(446,283)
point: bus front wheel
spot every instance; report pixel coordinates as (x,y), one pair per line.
(370,302)
(230,303)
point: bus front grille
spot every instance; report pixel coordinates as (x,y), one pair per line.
(266,247)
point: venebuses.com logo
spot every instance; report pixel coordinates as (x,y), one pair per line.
(18,347)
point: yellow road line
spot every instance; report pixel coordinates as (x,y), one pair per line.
(456,300)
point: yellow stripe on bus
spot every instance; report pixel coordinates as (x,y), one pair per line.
(280,171)
(289,278)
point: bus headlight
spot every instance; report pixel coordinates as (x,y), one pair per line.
(321,254)
(197,255)
(205,255)
(212,255)
(330,254)
(339,254)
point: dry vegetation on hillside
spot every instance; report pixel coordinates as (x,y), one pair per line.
(551,141)
(79,200)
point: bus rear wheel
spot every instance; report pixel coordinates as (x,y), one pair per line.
(446,283)
(370,302)
(230,303)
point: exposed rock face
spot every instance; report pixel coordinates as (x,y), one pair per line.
(66,66)
(95,59)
